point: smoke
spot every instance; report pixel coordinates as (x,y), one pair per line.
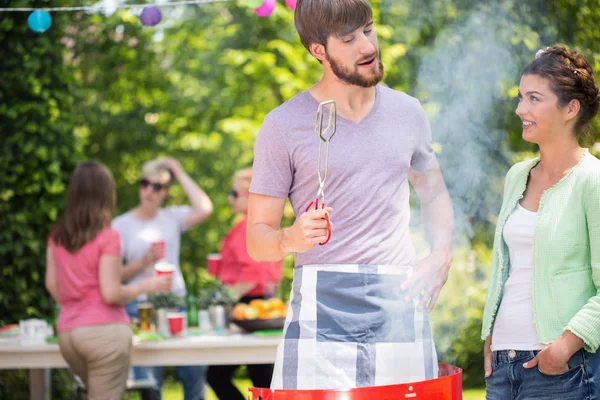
(463,81)
(460,82)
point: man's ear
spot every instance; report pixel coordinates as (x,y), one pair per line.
(318,51)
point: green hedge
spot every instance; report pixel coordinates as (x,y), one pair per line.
(38,153)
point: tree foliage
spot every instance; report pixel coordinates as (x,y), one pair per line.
(198,86)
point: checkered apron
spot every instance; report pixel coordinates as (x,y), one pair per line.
(349,326)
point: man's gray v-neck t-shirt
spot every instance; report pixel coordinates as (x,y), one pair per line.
(367,184)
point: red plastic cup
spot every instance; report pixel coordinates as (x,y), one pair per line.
(161,245)
(214,263)
(175,321)
(164,268)
(448,386)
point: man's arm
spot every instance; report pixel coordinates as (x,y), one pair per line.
(436,208)
(267,241)
(438,220)
(201,204)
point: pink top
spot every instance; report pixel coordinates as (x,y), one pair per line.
(79,296)
(236,265)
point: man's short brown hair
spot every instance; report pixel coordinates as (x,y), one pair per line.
(316,20)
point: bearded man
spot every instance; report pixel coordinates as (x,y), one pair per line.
(359,303)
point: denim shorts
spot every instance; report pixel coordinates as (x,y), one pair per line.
(511,381)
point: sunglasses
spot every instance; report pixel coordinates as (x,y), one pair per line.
(157,187)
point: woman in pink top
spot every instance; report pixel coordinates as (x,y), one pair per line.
(83,275)
(250,280)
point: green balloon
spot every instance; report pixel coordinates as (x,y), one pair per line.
(252,3)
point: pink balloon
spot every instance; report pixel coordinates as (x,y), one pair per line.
(291,4)
(267,8)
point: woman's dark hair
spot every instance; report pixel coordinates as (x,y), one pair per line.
(571,77)
(91,202)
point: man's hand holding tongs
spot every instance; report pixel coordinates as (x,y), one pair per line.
(309,230)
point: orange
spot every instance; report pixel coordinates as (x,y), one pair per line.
(263,315)
(259,305)
(251,313)
(239,311)
(275,304)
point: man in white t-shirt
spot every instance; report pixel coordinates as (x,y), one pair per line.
(149,233)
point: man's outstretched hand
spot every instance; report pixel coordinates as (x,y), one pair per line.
(428,277)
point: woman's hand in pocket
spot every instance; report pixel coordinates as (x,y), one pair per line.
(553,359)
(487,356)
(550,361)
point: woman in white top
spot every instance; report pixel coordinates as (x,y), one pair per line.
(541,338)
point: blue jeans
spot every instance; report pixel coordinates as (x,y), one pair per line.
(192,377)
(511,381)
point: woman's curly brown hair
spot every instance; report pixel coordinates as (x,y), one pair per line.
(571,77)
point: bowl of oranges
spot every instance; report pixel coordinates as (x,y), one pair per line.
(260,315)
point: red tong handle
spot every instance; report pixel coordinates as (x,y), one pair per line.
(316,203)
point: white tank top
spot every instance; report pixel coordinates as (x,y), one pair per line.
(514,328)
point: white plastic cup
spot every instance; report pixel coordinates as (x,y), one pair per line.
(33,331)
(204,320)
(164,268)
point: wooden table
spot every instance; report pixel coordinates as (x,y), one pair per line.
(194,350)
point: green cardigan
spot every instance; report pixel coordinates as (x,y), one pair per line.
(566,254)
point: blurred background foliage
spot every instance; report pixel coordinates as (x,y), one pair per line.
(198,86)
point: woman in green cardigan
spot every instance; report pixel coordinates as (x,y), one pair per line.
(541,322)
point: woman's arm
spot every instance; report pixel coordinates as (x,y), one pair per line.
(583,331)
(51,280)
(553,359)
(201,203)
(113,292)
(487,356)
(131,269)
(239,290)
(249,273)
(586,323)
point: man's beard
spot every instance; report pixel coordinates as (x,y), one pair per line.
(354,77)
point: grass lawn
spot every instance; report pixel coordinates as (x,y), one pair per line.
(474,394)
(173,391)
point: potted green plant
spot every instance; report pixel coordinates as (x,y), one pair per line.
(163,303)
(214,305)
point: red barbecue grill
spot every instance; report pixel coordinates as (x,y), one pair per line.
(448,386)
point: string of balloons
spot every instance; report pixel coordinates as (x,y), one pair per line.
(40,19)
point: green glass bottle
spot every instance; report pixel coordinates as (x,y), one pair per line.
(55,318)
(192,310)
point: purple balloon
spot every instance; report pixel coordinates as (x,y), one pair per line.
(267,8)
(150,16)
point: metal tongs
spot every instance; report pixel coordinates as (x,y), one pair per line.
(324,136)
